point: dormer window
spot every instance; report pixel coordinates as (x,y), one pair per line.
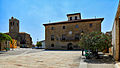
(70,18)
(75,17)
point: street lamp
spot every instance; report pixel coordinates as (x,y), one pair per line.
(82,48)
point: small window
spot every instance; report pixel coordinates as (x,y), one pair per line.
(52,37)
(6,42)
(90,25)
(75,17)
(77,36)
(17,24)
(63,37)
(70,18)
(52,28)
(82,31)
(10,23)
(76,46)
(76,26)
(63,27)
(52,45)
(13,23)
(63,46)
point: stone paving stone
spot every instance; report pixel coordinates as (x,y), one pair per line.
(44,59)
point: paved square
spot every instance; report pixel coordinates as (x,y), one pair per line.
(42,59)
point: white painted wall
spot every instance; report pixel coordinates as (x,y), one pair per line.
(114,38)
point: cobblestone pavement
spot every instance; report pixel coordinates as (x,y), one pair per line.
(42,59)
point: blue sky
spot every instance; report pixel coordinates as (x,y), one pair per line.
(32,14)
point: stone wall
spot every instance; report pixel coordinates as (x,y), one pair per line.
(115,35)
(4,45)
(58,31)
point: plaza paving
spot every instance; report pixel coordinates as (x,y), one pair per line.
(42,59)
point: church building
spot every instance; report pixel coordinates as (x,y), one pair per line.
(23,39)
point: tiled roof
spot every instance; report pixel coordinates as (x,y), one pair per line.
(72,21)
(23,33)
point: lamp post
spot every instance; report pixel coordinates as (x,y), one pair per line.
(82,48)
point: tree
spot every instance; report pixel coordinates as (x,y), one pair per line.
(95,41)
(5,37)
(39,44)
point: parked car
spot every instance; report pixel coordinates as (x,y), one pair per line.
(36,48)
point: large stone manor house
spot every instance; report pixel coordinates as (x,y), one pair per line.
(67,34)
(23,39)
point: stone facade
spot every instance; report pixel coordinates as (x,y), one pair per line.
(4,45)
(116,35)
(67,34)
(23,39)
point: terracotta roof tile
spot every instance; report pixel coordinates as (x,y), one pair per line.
(72,21)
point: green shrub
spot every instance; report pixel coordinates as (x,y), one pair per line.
(95,41)
(4,37)
(39,44)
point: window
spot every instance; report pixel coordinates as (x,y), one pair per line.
(70,18)
(63,37)
(52,45)
(13,23)
(76,26)
(90,25)
(10,23)
(52,28)
(63,46)
(57,38)
(76,46)
(75,17)
(63,27)
(77,36)
(17,24)
(82,31)
(52,37)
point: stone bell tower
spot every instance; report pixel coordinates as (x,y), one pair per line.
(13,27)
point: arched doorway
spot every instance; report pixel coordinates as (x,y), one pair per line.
(69,46)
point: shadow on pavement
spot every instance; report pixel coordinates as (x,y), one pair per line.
(104,59)
(2,52)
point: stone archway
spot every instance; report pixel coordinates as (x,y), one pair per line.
(69,46)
